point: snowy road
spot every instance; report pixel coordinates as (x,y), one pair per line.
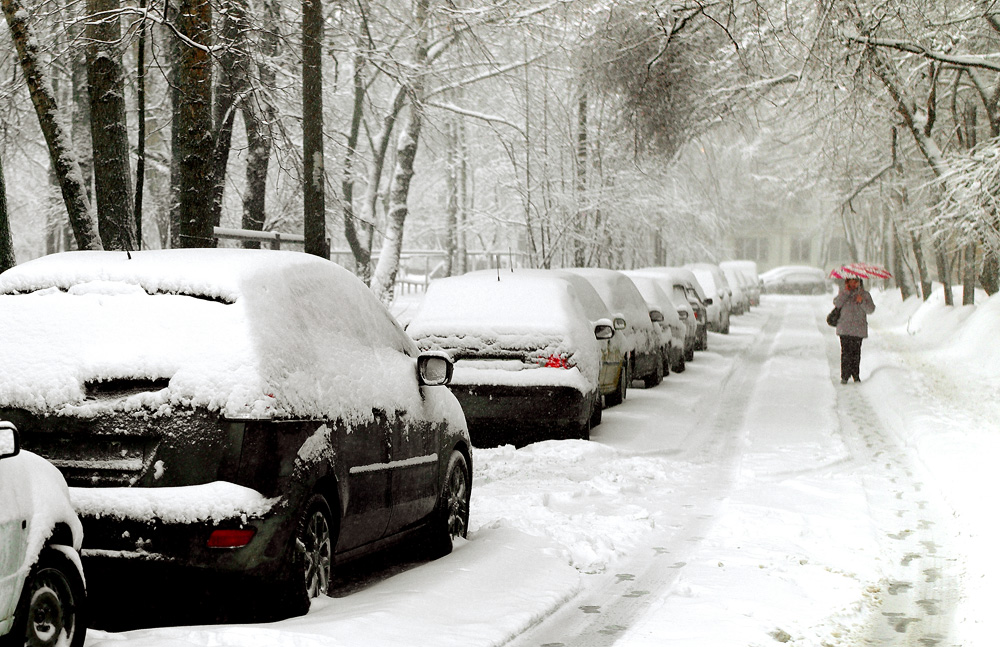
(749,500)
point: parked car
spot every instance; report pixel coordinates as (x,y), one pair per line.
(676,335)
(705,308)
(740,288)
(257,415)
(43,600)
(749,270)
(530,361)
(714,282)
(795,279)
(625,301)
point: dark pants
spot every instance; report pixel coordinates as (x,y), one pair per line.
(850,357)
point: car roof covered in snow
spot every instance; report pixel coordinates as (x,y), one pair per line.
(247,333)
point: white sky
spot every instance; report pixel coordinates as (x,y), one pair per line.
(765,500)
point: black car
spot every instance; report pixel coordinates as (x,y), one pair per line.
(246,413)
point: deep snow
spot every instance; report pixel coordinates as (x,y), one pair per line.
(786,546)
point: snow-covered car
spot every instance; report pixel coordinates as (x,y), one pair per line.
(671,320)
(252,414)
(739,287)
(706,309)
(625,301)
(529,359)
(748,269)
(714,282)
(42,594)
(795,279)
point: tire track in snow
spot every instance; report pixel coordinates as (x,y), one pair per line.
(609,603)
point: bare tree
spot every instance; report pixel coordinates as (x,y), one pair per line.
(7,259)
(313,167)
(65,163)
(109,132)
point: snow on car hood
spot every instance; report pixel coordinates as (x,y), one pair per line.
(41,489)
(246,333)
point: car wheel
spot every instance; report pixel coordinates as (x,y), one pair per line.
(51,609)
(451,515)
(680,364)
(309,566)
(655,378)
(689,352)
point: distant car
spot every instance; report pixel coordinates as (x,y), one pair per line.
(795,279)
(529,359)
(740,288)
(749,270)
(672,319)
(706,309)
(714,282)
(624,299)
(43,600)
(255,415)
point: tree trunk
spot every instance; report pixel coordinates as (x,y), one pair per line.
(313,173)
(384,279)
(969,276)
(360,250)
(380,149)
(258,114)
(580,229)
(943,271)
(451,205)
(989,277)
(193,126)
(65,163)
(918,255)
(140,140)
(7,259)
(898,268)
(388,260)
(108,126)
(464,207)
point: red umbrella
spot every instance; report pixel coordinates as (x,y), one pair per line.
(860,271)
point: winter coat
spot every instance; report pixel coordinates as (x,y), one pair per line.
(853,315)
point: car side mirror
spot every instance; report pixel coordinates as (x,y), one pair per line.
(620,323)
(655,315)
(603,331)
(9,443)
(682,314)
(709,301)
(435,368)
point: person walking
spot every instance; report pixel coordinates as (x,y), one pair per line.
(855,303)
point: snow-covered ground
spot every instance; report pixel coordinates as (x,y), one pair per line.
(749,500)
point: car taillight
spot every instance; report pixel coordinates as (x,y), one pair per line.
(555,361)
(230,537)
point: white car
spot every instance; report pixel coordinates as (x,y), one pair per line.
(717,287)
(42,592)
(673,320)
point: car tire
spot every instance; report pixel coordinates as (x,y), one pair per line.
(689,352)
(52,607)
(309,564)
(655,377)
(451,514)
(681,364)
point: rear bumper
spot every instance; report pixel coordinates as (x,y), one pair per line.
(185,545)
(502,414)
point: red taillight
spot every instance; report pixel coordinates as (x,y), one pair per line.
(554,361)
(230,537)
